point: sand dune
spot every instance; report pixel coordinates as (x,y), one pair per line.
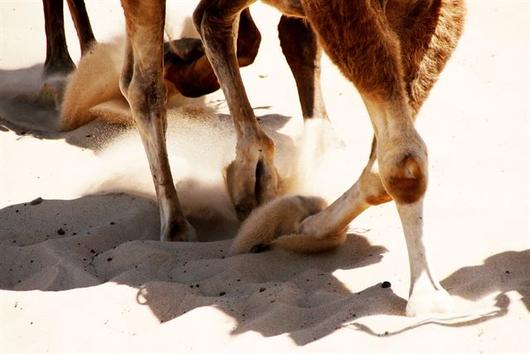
(82,270)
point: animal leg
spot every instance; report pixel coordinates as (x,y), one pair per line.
(58,60)
(426,293)
(401,169)
(143,85)
(428,36)
(252,177)
(303,53)
(300,47)
(82,24)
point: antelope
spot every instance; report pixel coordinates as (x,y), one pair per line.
(391,50)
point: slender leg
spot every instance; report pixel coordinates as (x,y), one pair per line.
(405,182)
(252,178)
(398,164)
(366,192)
(58,60)
(248,39)
(426,295)
(303,53)
(143,86)
(301,49)
(82,24)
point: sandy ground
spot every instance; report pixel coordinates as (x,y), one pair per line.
(82,270)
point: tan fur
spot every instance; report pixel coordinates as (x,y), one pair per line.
(276,224)
(95,82)
(92,91)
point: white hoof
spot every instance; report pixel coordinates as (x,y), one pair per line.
(428,302)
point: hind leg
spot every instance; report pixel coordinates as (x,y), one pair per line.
(143,85)
(58,59)
(303,54)
(58,63)
(252,177)
(398,164)
(82,24)
(404,182)
(300,47)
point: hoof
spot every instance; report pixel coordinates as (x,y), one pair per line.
(429,302)
(179,232)
(250,184)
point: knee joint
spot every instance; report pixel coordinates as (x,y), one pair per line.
(145,95)
(406,180)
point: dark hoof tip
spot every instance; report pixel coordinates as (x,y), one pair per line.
(260,248)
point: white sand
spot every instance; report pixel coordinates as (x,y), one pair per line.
(106,284)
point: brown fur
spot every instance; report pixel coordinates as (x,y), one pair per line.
(393,52)
(301,49)
(82,24)
(93,92)
(363,46)
(195,77)
(142,84)
(427,44)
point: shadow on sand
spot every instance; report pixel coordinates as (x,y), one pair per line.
(298,294)
(24,111)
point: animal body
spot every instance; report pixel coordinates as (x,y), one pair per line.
(92,90)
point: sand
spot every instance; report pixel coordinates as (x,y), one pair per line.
(82,270)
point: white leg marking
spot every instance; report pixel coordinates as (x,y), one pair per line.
(426,294)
